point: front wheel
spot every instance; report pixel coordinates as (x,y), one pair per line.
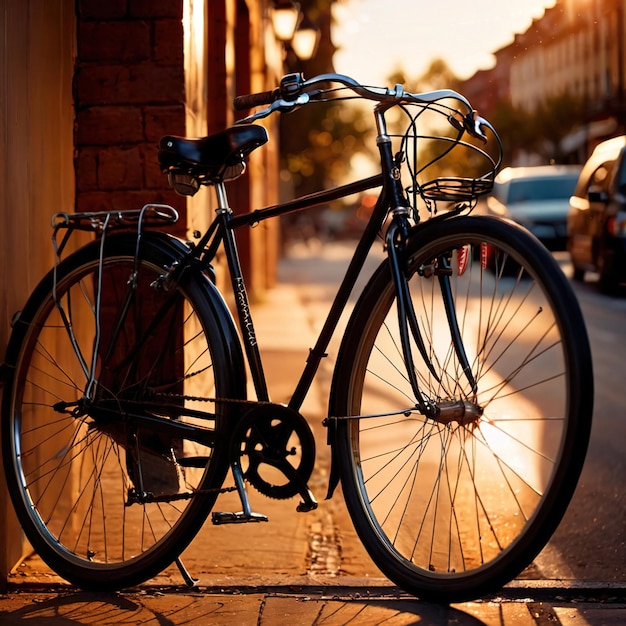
(454,505)
(108,364)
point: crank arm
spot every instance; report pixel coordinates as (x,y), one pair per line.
(309,503)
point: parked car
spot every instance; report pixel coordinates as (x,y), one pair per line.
(596,223)
(537,198)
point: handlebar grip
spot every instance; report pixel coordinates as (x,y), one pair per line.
(254,100)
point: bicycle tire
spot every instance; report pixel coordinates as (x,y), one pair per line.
(452,511)
(95,495)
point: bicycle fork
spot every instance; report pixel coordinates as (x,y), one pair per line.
(396,240)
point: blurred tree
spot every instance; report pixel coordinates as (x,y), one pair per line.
(556,118)
(438,75)
(427,145)
(540,132)
(515,128)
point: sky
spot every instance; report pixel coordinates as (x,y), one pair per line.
(377,37)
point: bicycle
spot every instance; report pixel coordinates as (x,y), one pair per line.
(460,406)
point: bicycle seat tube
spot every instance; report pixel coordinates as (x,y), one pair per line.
(224,213)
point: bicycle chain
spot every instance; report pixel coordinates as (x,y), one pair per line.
(134,497)
(149,498)
(177,396)
(260,446)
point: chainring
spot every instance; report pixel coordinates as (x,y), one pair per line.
(275,449)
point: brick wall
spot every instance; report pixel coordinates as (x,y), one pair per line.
(129,90)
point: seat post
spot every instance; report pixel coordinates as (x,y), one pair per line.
(222,198)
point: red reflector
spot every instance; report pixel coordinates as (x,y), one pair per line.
(462,255)
(610,225)
(484,255)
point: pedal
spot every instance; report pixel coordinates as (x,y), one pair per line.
(307,505)
(225,517)
(242,517)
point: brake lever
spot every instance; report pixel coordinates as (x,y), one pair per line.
(478,123)
(471,123)
(278,105)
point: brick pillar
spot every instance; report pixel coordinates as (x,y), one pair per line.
(129,91)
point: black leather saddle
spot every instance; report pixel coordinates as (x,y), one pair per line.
(214,158)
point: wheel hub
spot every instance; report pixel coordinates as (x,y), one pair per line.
(460,411)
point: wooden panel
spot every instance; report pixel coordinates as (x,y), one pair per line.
(36,165)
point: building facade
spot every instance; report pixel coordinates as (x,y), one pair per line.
(578,48)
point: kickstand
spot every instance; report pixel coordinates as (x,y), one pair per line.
(190,581)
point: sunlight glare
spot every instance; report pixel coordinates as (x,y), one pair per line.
(374,39)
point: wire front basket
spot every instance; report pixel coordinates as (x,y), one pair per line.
(443,163)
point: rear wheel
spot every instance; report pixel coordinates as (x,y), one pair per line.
(107,491)
(454,506)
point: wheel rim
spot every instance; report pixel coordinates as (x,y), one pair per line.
(82,481)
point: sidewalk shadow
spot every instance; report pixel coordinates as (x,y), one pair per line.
(405,611)
(100,609)
(227,606)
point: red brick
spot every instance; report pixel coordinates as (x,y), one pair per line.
(106,125)
(156,8)
(120,168)
(154,178)
(102,10)
(93,201)
(165,120)
(97,85)
(154,83)
(86,166)
(130,84)
(168,41)
(114,41)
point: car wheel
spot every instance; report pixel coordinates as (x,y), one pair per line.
(608,283)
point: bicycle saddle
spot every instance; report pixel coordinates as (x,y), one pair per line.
(210,159)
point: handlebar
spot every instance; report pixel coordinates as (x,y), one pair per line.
(251,101)
(295,91)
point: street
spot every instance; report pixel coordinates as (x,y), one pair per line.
(591,541)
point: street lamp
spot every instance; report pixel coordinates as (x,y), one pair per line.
(285,16)
(305,40)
